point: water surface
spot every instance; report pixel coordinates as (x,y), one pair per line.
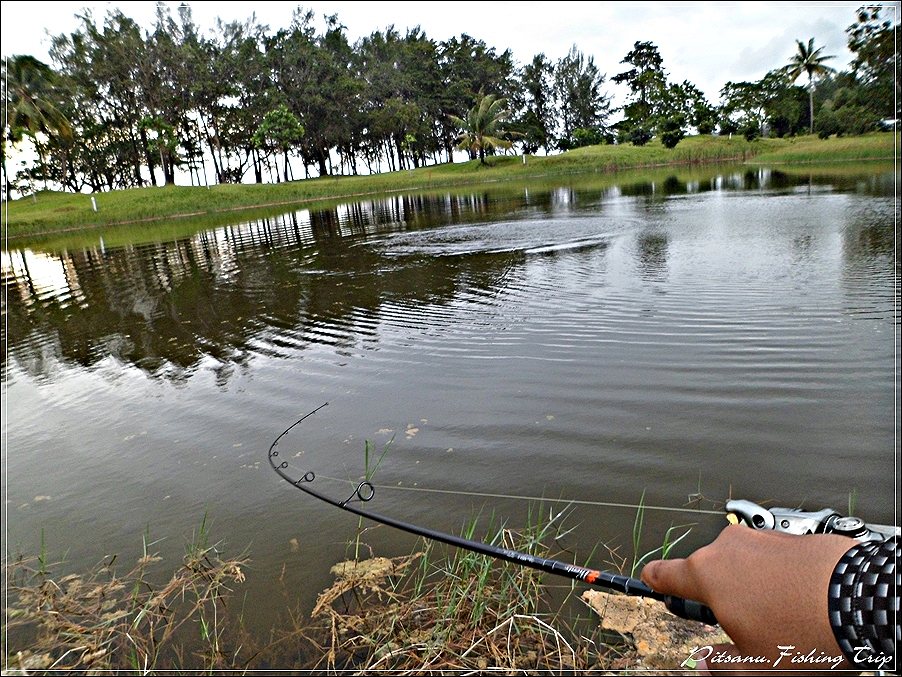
(729,331)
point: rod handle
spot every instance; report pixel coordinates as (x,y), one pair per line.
(690,609)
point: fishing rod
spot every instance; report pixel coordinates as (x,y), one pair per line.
(364,492)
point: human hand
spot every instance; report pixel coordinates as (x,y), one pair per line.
(769,593)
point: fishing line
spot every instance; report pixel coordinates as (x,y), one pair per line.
(365,491)
(540,499)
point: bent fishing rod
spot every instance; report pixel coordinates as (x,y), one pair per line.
(365,491)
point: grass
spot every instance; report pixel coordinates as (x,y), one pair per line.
(434,611)
(438,610)
(810,149)
(663,550)
(369,472)
(135,621)
(853,501)
(55,212)
(431,611)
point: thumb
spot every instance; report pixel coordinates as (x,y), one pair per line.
(671,577)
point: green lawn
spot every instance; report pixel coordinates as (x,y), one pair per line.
(53,212)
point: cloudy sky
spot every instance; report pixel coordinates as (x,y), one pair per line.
(707,43)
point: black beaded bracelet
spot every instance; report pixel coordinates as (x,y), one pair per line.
(863,602)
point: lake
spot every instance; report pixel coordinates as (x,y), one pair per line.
(723,332)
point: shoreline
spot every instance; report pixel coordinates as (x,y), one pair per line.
(49,213)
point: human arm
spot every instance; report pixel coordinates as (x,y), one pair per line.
(768,591)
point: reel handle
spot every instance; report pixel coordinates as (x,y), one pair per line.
(690,610)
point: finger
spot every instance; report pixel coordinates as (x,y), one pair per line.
(671,577)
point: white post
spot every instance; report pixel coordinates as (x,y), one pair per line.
(200,145)
(93,203)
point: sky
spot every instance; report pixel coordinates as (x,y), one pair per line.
(707,43)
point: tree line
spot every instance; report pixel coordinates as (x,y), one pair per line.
(121,107)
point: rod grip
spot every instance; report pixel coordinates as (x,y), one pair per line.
(690,609)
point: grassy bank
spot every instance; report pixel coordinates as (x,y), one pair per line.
(434,610)
(136,621)
(810,149)
(52,212)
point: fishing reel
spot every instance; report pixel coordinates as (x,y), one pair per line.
(794,521)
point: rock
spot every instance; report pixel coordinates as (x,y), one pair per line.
(26,661)
(660,639)
(374,569)
(367,575)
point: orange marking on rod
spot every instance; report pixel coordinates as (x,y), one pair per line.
(592,576)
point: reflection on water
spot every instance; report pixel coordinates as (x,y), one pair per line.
(730,329)
(163,307)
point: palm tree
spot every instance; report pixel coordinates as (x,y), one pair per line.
(30,95)
(482,128)
(809,60)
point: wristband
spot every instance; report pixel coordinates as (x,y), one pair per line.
(863,604)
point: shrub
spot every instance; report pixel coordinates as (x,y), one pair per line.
(751,131)
(639,135)
(854,119)
(672,131)
(825,122)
